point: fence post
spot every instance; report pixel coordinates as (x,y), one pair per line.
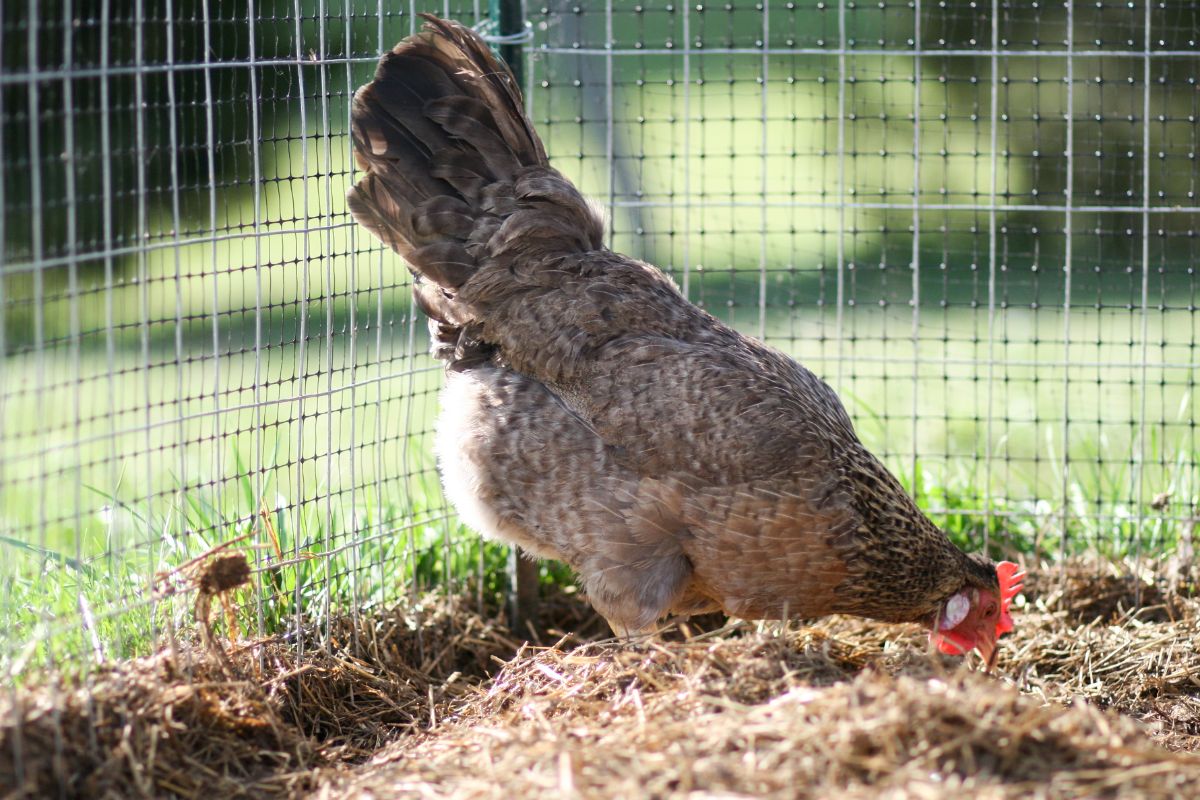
(522,572)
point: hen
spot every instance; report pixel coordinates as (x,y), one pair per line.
(592,414)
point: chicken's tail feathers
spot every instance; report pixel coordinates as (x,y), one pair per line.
(455,177)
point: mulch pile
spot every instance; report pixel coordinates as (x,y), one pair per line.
(1096,694)
(257,719)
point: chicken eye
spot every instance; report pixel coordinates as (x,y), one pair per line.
(991,610)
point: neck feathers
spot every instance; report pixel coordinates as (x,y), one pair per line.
(901,567)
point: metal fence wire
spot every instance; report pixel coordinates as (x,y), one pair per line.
(977,220)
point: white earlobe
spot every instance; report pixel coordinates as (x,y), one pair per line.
(955,611)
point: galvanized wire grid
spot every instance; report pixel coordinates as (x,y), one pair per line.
(976,220)
(200,346)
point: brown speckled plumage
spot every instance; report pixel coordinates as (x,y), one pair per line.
(594,415)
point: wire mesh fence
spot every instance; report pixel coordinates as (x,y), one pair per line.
(977,220)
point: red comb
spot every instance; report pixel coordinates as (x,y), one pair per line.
(1010,577)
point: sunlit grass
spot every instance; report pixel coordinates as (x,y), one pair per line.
(309,563)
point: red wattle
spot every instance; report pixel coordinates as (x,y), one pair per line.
(952,643)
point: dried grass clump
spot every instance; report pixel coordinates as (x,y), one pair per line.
(255,720)
(163,725)
(768,715)
(1087,591)
(843,707)
(1103,645)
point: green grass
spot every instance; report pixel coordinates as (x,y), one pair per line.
(311,562)
(133,489)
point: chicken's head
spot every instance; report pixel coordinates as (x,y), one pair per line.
(974,618)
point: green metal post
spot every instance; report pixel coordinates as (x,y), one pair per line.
(522,572)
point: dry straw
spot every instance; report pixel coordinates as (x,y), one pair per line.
(1097,694)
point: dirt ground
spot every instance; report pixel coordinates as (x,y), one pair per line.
(1096,694)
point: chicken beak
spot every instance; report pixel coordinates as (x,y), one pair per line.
(986,645)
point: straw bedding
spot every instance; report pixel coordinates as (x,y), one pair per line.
(1096,694)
